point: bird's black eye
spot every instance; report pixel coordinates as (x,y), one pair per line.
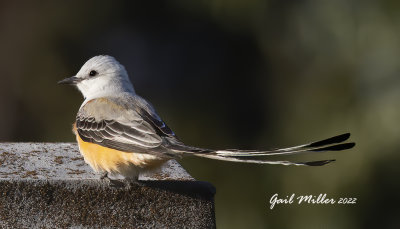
(92,73)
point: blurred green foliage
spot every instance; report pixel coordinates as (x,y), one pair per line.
(230,74)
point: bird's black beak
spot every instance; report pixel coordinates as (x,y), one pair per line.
(71,80)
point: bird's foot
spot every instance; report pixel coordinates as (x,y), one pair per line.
(111,182)
(104,175)
(130,182)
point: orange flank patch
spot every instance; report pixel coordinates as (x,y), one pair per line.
(102,159)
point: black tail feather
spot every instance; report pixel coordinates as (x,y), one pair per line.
(332,140)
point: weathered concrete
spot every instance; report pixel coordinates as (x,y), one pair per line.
(48,185)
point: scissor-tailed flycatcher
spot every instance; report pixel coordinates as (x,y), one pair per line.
(120,133)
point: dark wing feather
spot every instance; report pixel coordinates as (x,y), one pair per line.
(161,128)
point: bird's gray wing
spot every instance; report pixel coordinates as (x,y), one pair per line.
(128,124)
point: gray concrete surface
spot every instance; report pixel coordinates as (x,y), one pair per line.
(48,185)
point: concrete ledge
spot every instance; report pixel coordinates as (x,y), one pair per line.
(48,185)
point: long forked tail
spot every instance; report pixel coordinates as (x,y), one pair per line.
(330,144)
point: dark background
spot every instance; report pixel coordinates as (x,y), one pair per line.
(230,74)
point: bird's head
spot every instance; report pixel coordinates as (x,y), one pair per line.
(101,75)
